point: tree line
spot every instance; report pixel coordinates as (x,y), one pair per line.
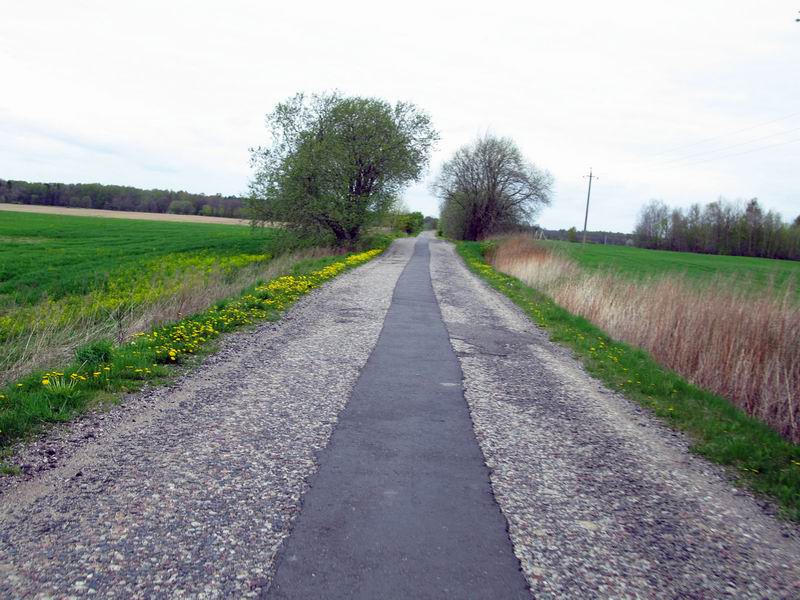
(117,197)
(721,227)
(572,234)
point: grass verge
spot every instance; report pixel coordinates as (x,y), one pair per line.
(102,370)
(762,459)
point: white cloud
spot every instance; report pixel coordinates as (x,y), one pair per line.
(172,94)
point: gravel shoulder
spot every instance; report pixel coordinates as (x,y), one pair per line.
(401,506)
(601,499)
(188,491)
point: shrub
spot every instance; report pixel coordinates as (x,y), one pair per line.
(95,353)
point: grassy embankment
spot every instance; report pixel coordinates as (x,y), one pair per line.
(721,431)
(118,302)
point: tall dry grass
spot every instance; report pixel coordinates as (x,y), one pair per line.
(50,342)
(721,337)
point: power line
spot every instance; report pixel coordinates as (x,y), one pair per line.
(723,135)
(699,162)
(725,148)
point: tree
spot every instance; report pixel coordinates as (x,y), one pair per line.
(337,163)
(572,235)
(653,227)
(411,222)
(488,186)
(181,207)
(430,223)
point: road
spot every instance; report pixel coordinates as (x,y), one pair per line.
(403,431)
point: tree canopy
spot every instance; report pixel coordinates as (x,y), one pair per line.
(487,187)
(337,163)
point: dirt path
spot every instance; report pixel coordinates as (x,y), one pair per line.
(191,491)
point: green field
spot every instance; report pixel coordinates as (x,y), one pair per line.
(93,307)
(639,262)
(66,280)
(55,256)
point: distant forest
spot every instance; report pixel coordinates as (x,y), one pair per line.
(594,237)
(721,227)
(117,197)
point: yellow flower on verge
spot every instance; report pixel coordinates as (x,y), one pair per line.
(45,381)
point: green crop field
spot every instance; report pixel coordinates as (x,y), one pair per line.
(639,262)
(55,256)
(67,280)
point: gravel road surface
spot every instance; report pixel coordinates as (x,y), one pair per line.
(602,501)
(401,506)
(193,490)
(192,495)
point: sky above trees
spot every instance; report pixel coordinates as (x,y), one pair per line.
(172,95)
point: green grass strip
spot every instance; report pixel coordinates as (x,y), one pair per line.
(102,371)
(721,432)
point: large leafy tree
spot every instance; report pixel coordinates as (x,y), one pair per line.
(338,163)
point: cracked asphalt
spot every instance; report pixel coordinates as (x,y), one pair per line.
(192,491)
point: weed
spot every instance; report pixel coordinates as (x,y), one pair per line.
(95,353)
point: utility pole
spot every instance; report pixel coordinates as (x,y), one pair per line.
(589,195)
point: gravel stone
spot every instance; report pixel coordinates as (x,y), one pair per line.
(602,500)
(188,491)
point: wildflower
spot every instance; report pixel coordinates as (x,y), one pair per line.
(45,381)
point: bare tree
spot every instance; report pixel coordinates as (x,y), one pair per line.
(488,186)
(653,226)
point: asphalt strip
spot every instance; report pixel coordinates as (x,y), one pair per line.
(402,505)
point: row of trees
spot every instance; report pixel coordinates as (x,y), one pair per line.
(721,227)
(489,187)
(116,197)
(337,164)
(572,234)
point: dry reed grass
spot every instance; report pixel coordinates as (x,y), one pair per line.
(46,345)
(722,337)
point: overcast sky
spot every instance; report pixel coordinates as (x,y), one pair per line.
(172,94)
